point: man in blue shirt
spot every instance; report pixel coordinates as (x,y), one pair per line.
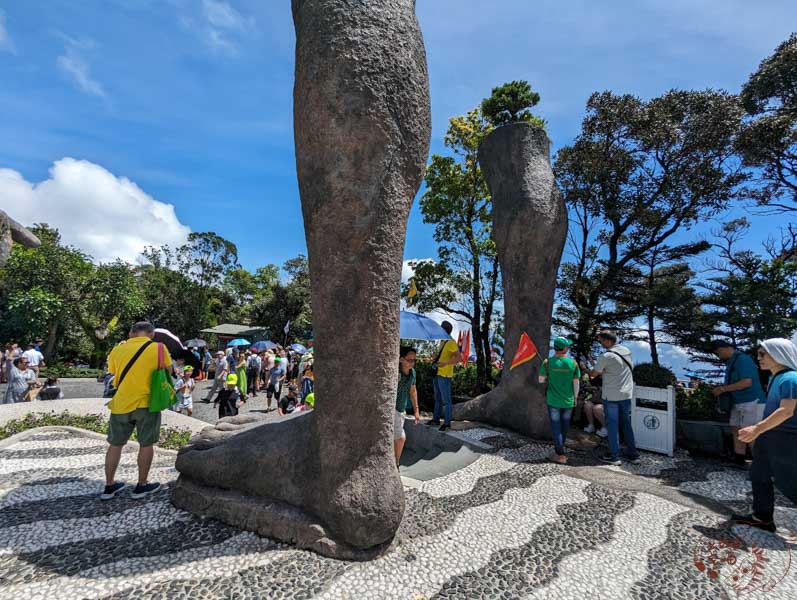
(775,454)
(742,382)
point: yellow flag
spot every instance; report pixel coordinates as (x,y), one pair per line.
(412,293)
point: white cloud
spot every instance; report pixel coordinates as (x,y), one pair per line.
(6,43)
(407,271)
(221,25)
(102,214)
(76,66)
(224,16)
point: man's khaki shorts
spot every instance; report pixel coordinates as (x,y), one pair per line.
(146,424)
(747,414)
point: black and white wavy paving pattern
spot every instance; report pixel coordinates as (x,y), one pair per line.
(507,526)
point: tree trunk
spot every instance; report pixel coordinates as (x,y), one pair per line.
(654,350)
(52,338)
(362,129)
(529,228)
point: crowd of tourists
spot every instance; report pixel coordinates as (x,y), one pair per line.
(21,370)
(284,376)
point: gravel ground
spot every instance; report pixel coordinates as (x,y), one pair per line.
(89,388)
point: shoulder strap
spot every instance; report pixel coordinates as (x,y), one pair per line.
(627,364)
(131,363)
(772,379)
(440,352)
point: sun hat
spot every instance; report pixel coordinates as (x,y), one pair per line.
(561,343)
(232,379)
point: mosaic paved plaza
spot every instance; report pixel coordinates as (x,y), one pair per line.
(509,525)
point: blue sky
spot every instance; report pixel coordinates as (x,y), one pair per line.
(189,102)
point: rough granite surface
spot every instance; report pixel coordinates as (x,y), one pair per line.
(530,229)
(362,127)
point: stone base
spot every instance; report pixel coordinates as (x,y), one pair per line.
(266,517)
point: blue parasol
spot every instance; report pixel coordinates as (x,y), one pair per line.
(263,346)
(418,327)
(238,342)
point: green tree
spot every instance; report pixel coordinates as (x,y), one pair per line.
(208,257)
(511,103)
(465,280)
(638,173)
(752,296)
(174,300)
(768,141)
(658,288)
(285,301)
(110,298)
(41,289)
(184,286)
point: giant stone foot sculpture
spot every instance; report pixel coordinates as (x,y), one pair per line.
(529,229)
(327,480)
(10,232)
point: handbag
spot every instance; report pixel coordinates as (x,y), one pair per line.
(162,394)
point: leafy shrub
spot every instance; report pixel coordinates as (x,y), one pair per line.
(463,383)
(655,376)
(61,371)
(697,404)
(424,374)
(170,437)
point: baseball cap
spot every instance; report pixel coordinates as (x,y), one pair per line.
(561,343)
(232,379)
(189,368)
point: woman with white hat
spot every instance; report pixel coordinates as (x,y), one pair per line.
(775,451)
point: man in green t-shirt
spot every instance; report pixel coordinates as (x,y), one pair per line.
(562,375)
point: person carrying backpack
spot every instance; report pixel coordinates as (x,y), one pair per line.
(133,363)
(229,398)
(617,371)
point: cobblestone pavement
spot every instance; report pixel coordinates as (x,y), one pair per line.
(508,526)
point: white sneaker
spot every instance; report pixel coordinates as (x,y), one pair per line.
(590,428)
(603,432)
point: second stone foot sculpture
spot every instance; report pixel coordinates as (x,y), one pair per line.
(530,229)
(327,480)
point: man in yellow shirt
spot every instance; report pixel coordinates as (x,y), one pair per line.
(447,357)
(132,363)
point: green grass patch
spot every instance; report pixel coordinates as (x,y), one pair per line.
(171,438)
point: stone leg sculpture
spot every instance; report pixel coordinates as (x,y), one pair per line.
(529,228)
(10,232)
(327,480)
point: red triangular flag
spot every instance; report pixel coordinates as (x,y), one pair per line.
(526,350)
(466,348)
